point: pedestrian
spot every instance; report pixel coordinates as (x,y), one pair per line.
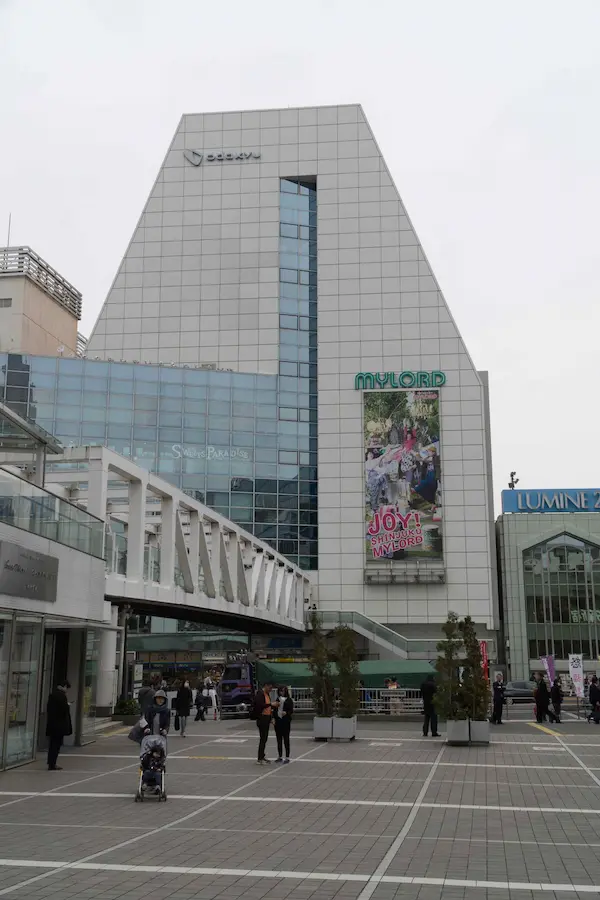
(158,715)
(199,706)
(58,722)
(262,712)
(146,696)
(282,717)
(594,699)
(556,695)
(428,689)
(497,699)
(542,698)
(183,705)
(394,698)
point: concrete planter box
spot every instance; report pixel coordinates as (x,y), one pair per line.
(344,729)
(479,732)
(457,731)
(322,728)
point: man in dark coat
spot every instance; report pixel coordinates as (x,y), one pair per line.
(594,699)
(58,722)
(428,689)
(542,698)
(497,699)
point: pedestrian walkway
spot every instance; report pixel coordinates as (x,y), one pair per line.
(393,815)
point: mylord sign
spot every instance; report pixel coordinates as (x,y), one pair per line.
(25,573)
(564,500)
(197,157)
(370,381)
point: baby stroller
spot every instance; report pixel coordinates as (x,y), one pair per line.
(153,757)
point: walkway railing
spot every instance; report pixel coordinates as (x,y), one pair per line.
(373,701)
(27,506)
(380,634)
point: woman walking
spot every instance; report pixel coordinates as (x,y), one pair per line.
(556,695)
(283,710)
(183,705)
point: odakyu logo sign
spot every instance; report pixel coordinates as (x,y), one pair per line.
(370,381)
(197,157)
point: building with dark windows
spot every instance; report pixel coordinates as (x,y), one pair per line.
(549,558)
(275,342)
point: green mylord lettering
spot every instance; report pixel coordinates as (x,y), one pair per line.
(382,378)
(438,379)
(407,379)
(364,381)
(423,379)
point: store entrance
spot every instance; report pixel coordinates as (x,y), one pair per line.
(54,670)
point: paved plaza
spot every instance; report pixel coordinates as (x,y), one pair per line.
(393,815)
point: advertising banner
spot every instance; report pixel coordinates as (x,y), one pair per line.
(548,664)
(576,673)
(485,662)
(403,493)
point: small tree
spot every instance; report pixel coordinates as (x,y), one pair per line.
(320,668)
(348,672)
(447,698)
(474,689)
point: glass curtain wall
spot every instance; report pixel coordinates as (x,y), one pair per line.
(23,679)
(220,436)
(562,589)
(297,394)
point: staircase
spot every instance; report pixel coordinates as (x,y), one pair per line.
(404,648)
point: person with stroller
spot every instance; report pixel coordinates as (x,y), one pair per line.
(556,695)
(153,755)
(158,715)
(283,710)
(183,705)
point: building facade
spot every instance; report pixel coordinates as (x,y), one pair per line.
(276,320)
(549,555)
(39,309)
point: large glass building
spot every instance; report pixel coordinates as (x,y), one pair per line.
(216,435)
(549,553)
(275,342)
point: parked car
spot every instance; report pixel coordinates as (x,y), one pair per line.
(519,691)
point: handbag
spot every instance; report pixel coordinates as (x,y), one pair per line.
(176,723)
(137,732)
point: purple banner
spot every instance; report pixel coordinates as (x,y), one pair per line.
(548,664)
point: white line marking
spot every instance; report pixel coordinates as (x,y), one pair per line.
(371,881)
(149,834)
(547,749)
(311,801)
(385,863)
(229,741)
(383,744)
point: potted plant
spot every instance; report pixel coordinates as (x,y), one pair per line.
(322,684)
(474,689)
(448,698)
(344,722)
(127,712)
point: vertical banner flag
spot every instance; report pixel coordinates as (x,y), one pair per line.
(485,665)
(576,673)
(548,664)
(403,492)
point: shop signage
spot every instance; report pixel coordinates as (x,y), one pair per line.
(576,673)
(27,574)
(188,452)
(369,381)
(196,157)
(559,500)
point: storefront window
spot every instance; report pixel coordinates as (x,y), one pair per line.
(90,681)
(562,583)
(22,690)
(5,629)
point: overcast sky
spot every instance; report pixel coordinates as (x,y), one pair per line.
(487,115)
